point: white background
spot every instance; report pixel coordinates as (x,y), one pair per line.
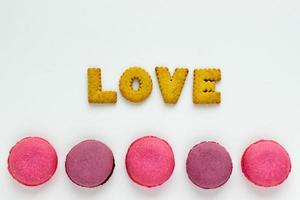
(47,46)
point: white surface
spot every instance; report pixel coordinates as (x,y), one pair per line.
(46,47)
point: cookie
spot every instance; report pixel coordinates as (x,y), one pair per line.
(95,93)
(32,161)
(266,163)
(209,165)
(171,86)
(150,161)
(90,163)
(126,84)
(204,86)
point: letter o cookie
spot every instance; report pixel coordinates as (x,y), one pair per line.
(126,82)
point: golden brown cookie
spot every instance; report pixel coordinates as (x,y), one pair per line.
(204,86)
(171,86)
(95,93)
(127,79)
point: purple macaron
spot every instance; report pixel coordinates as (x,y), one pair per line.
(90,163)
(208,165)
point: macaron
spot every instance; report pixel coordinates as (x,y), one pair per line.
(266,163)
(90,163)
(150,161)
(208,165)
(32,161)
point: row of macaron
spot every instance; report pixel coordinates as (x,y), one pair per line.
(149,162)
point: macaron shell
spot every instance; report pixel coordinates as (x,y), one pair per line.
(150,161)
(32,161)
(89,163)
(209,165)
(266,163)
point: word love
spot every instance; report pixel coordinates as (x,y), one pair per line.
(170,85)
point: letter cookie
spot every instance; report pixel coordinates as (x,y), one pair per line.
(204,86)
(171,86)
(95,93)
(126,82)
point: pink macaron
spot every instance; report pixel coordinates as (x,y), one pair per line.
(32,161)
(150,161)
(266,163)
